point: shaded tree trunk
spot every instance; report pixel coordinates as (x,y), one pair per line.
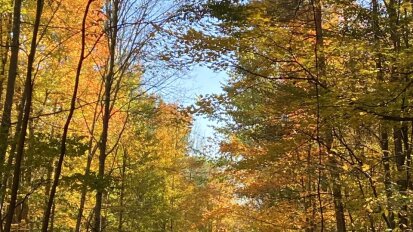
(11,80)
(321,72)
(7,169)
(387,178)
(5,29)
(28,91)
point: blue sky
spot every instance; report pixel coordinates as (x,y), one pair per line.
(202,81)
(199,81)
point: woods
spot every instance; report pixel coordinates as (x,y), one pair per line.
(316,111)
(85,144)
(313,126)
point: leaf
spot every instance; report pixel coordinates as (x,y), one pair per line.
(365,167)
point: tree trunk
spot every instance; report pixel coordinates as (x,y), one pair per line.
(90,156)
(28,91)
(106,115)
(122,191)
(11,80)
(7,169)
(308,201)
(83,197)
(338,198)
(321,72)
(62,154)
(5,29)
(387,178)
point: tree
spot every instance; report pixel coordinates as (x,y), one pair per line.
(12,73)
(26,101)
(333,63)
(58,168)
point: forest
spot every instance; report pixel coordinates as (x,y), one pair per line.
(313,126)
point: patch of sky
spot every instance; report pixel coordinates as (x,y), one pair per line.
(185,92)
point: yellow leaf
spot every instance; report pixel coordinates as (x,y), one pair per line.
(365,167)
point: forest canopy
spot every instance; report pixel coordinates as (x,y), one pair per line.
(314,124)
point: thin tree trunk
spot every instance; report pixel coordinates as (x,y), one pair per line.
(49,168)
(393,10)
(28,92)
(7,172)
(387,178)
(11,80)
(308,204)
(404,178)
(336,185)
(5,24)
(92,152)
(338,198)
(114,8)
(398,147)
(320,64)
(122,191)
(384,137)
(321,72)
(83,197)
(58,168)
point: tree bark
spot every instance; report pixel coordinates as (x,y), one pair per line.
(387,178)
(7,169)
(90,156)
(28,92)
(58,169)
(113,11)
(5,29)
(11,80)
(122,190)
(321,72)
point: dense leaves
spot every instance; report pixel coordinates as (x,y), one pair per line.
(316,113)
(314,120)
